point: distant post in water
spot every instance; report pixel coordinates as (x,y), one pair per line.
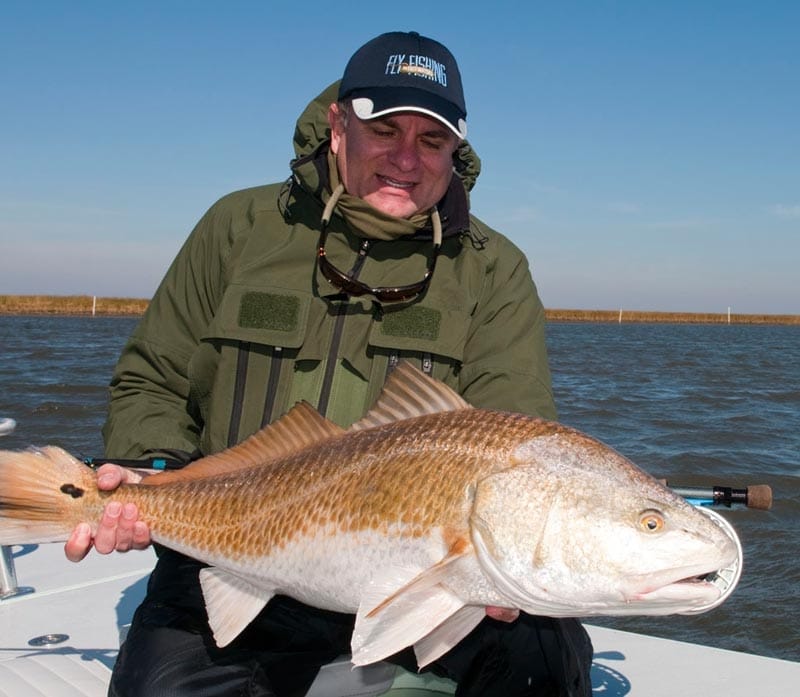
(94,304)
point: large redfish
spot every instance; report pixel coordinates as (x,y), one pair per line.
(416,518)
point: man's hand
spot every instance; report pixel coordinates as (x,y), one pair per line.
(120,528)
(504,614)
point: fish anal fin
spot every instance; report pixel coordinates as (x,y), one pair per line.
(402,605)
(403,623)
(231,603)
(302,426)
(448,634)
(408,392)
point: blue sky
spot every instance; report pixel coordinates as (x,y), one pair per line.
(644,155)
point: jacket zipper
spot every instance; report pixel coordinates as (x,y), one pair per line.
(338,330)
(238,392)
(426,363)
(272,384)
(394,359)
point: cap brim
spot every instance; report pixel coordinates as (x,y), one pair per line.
(379,101)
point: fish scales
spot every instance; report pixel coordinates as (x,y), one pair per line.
(414,473)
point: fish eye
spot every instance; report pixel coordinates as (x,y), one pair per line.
(651,521)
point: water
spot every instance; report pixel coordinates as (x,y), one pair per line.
(703,405)
(54,373)
(695,404)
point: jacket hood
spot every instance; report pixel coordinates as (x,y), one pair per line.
(312,131)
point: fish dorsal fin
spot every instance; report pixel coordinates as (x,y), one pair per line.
(408,392)
(301,427)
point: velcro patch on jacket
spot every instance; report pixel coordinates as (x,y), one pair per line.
(415,322)
(268,311)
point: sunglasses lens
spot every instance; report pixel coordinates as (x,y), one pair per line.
(384,294)
(341,281)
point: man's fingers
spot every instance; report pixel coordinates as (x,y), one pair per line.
(106,537)
(79,543)
(141,535)
(109,477)
(125,527)
(504,614)
(120,528)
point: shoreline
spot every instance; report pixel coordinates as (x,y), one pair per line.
(659,317)
(88,305)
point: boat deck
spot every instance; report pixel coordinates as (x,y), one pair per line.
(83,607)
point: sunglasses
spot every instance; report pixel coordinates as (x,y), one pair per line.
(384,294)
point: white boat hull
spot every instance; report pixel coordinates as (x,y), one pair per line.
(92,602)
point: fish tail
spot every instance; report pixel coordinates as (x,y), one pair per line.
(44,493)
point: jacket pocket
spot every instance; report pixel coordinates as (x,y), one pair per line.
(238,374)
(431,337)
(270,316)
(422,328)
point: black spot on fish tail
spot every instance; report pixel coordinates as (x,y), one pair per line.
(71,490)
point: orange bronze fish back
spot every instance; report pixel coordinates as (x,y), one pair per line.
(410,475)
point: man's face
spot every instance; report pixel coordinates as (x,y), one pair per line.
(400,164)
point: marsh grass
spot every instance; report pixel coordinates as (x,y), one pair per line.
(629,316)
(82,305)
(69,305)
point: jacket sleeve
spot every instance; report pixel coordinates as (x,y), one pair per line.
(150,411)
(505,362)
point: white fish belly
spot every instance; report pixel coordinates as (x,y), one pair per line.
(332,569)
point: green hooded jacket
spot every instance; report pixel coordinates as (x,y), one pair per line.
(244,325)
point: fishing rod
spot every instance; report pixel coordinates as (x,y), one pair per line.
(758,496)
(148,463)
(705,498)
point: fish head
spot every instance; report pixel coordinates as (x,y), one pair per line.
(576,529)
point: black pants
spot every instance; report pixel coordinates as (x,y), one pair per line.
(170,652)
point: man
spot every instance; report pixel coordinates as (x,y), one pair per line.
(257,312)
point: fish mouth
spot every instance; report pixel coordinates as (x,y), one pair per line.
(706,590)
(725,579)
(688,593)
(696,593)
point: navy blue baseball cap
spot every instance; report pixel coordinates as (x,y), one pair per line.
(403,71)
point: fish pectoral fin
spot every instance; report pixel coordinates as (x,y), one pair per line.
(384,589)
(403,622)
(448,634)
(231,603)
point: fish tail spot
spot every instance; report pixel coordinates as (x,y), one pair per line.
(71,490)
